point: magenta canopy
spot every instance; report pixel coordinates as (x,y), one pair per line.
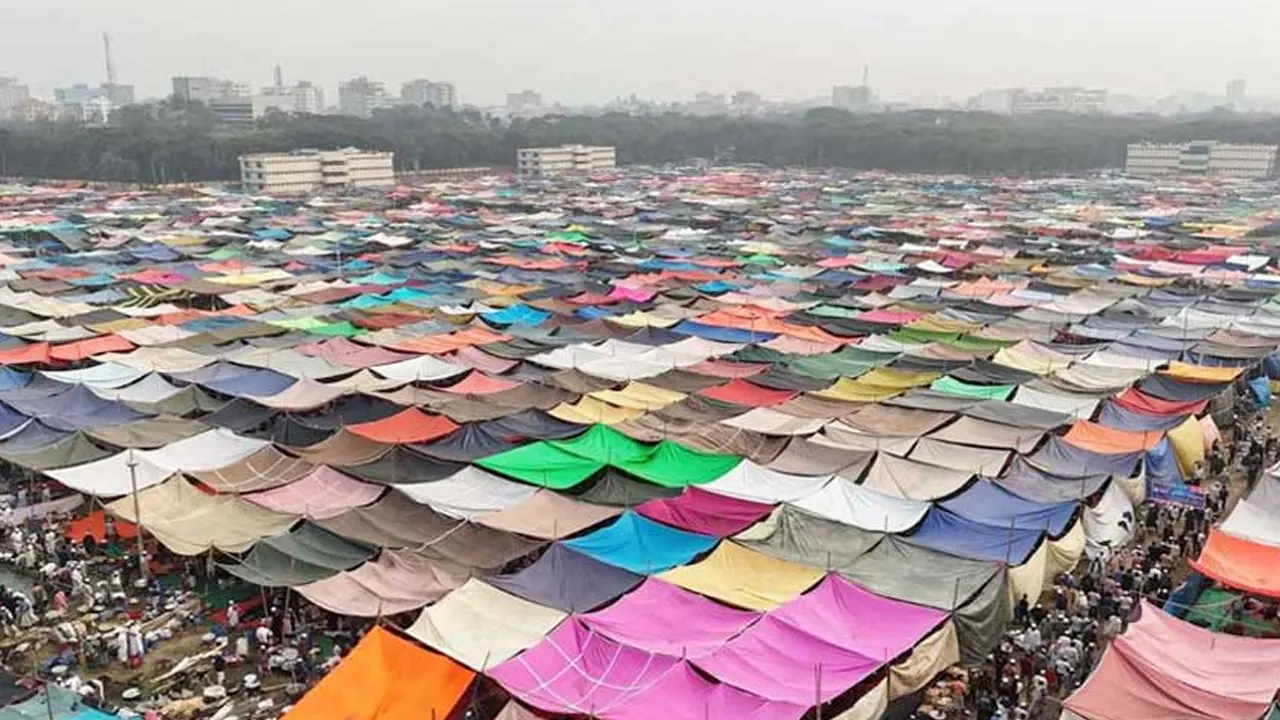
(705,512)
(578,671)
(846,615)
(683,694)
(780,662)
(662,618)
(821,644)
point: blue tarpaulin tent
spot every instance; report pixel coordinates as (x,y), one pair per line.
(641,545)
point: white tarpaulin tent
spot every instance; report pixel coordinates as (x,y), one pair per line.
(480,626)
(851,504)
(750,481)
(111,476)
(467,493)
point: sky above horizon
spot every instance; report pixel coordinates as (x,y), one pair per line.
(590,51)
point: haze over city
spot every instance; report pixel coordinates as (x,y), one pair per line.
(578,52)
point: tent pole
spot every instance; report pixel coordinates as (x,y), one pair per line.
(1008,546)
(137,516)
(817,692)
(888,677)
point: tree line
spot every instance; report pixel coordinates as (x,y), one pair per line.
(182,142)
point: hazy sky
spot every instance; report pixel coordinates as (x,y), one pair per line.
(579,51)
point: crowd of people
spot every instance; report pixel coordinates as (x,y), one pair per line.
(1051,645)
(77,607)
(1055,641)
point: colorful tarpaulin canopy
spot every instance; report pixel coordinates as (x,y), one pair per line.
(386,677)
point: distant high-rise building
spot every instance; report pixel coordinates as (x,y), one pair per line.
(119,95)
(13,97)
(361,96)
(524,101)
(1059,99)
(83,103)
(854,98)
(207,89)
(705,103)
(308,99)
(995,101)
(1236,93)
(79,94)
(425,92)
(302,98)
(746,102)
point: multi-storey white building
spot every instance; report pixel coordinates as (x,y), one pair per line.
(1058,99)
(361,96)
(425,92)
(302,98)
(13,97)
(1202,157)
(207,89)
(540,162)
(307,171)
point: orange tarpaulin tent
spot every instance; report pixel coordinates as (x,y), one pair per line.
(386,678)
(1241,564)
(26,354)
(407,426)
(82,349)
(95,524)
(477,383)
(1103,439)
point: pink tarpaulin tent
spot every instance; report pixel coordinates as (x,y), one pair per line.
(844,614)
(780,662)
(660,617)
(705,512)
(578,671)
(1166,669)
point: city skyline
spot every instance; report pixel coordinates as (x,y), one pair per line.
(667,51)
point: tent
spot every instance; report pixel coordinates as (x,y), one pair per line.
(948,532)
(190,522)
(799,536)
(578,671)
(1165,669)
(321,494)
(708,513)
(398,581)
(640,545)
(481,626)
(662,618)
(852,504)
(386,677)
(976,591)
(744,578)
(989,503)
(304,554)
(567,580)
(1240,563)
